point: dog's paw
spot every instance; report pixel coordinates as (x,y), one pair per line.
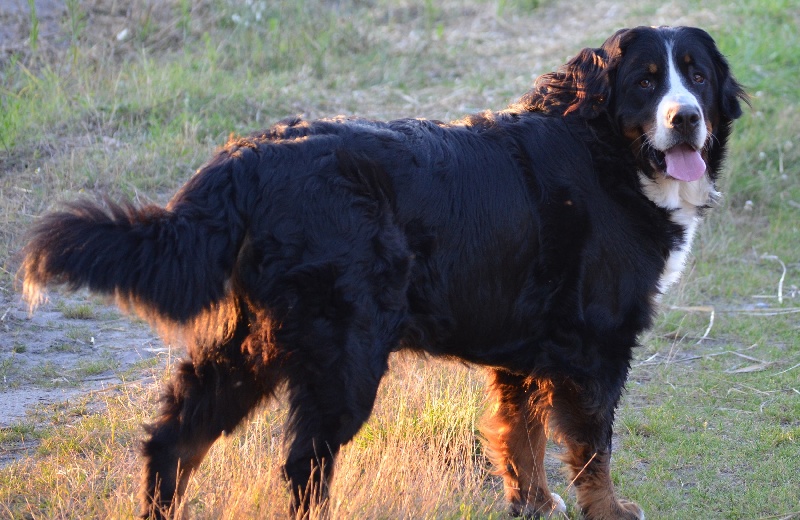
(631,510)
(555,508)
(559,507)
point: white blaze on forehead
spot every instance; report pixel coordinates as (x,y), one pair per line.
(677,95)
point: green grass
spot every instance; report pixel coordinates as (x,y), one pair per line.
(96,367)
(710,424)
(16,433)
(79,311)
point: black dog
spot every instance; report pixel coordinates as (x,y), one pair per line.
(533,241)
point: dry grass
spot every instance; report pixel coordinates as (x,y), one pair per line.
(416,458)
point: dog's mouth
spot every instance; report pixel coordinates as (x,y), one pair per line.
(681,162)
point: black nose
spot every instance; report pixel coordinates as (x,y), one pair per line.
(684,119)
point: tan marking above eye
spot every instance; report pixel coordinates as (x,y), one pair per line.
(687,59)
(633,133)
(652,68)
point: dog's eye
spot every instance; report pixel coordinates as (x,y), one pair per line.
(698,78)
(645,83)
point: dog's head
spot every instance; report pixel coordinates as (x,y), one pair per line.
(668,91)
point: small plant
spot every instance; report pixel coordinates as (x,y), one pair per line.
(7,368)
(186,17)
(79,334)
(33,39)
(65,346)
(50,375)
(76,20)
(10,108)
(96,367)
(81,311)
(17,432)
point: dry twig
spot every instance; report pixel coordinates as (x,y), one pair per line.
(783,276)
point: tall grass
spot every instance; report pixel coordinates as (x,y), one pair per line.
(418,455)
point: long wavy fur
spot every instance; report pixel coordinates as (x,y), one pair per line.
(581,86)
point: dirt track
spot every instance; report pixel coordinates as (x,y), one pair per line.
(50,356)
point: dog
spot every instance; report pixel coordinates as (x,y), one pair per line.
(534,241)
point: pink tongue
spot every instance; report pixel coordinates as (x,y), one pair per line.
(684,163)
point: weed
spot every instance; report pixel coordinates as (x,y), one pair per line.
(16,433)
(33,38)
(78,334)
(95,367)
(8,368)
(76,20)
(49,375)
(78,311)
(65,346)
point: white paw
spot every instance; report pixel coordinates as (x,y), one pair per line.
(559,507)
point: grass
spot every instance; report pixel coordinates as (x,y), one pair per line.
(80,311)
(710,425)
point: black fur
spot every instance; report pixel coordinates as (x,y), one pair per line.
(519,240)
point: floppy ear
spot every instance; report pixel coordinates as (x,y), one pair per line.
(582,85)
(730,91)
(589,73)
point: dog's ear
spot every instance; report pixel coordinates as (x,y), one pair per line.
(582,86)
(729,92)
(589,74)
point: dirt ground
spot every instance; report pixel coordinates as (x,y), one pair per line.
(52,354)
(15,24)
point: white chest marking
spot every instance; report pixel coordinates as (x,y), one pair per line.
(682,199)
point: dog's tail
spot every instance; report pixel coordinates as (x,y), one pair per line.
(170,265)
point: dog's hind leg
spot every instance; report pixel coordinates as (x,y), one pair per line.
(515,434)
(581,418)
(329,402)
(337,351)
(205,398)
(342,307)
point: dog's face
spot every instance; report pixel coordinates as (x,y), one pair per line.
(671,94)
(667,90)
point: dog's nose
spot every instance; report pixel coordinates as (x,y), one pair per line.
(683,118)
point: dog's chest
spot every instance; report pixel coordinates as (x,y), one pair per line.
(676,261)
(682,200)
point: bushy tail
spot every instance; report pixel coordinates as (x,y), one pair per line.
(170,265)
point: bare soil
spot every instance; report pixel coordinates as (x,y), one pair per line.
(49,355)
(16,26)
